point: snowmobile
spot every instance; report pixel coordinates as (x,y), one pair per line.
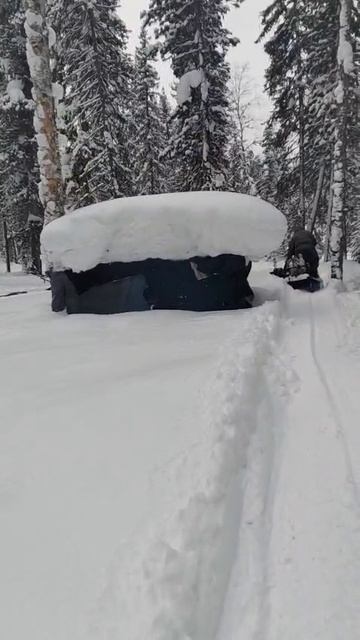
(296,275)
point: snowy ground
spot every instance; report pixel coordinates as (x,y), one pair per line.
(175,476)
(17,281)
(297,570)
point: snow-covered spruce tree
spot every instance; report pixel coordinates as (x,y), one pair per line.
(322,109)
(147,160)
(20,206)
(319,49)
(313,28)
(95,70)
(244,166)
(271,167)
(273,183)
(38,57)
(353,190)
(353,183)
(166,116)
(283,30)
(352,209)
(193,35)
(168,163)
(301,42)
(346,68)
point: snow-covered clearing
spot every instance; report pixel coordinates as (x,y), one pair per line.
(172,476)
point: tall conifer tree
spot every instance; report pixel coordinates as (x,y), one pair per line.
(303,79)
(21,210)
(194,36)
(95,70)
(148,169)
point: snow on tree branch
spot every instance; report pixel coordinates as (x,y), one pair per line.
(345,54)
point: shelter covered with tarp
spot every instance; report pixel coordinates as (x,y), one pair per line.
(173,251)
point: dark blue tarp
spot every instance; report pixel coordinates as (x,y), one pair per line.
(197,284)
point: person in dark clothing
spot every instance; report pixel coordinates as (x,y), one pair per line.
(303,243)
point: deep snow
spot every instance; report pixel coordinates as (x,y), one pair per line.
(178,476)
(17,282)
(297,569)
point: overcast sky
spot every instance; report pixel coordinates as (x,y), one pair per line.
(244,23)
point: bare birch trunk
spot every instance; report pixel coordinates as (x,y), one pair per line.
(345,67)
(37,49)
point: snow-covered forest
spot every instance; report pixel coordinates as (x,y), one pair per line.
(87,121)
(179,320)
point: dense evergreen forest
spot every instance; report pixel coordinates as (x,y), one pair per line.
(82,121)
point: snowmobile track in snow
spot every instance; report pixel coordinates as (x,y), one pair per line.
(296,574)
(333,405)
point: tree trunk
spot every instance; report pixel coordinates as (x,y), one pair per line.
(37,49)
(329,213)
(345,67)
(35,251)
(337,223)
(317,195)
(7,247)
(302,154)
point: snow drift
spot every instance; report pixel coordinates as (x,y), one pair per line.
(181,573)
(169,226)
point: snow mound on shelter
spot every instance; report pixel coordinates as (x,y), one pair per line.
(168,226)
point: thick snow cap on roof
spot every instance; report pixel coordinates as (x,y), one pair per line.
(169,226)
